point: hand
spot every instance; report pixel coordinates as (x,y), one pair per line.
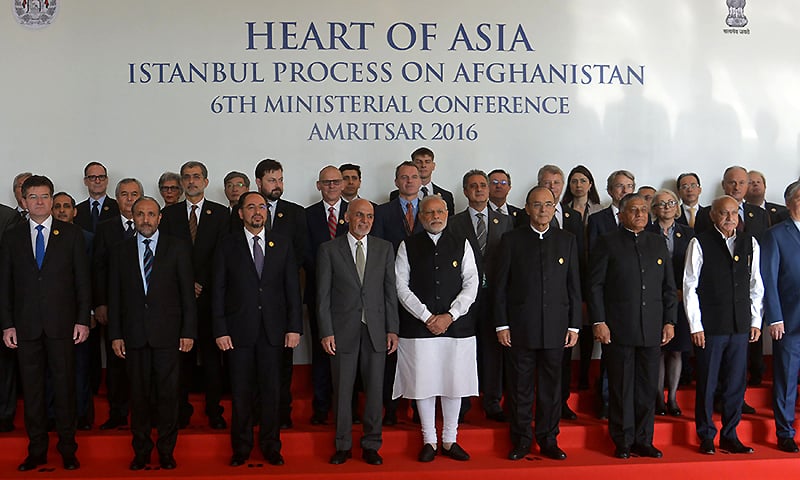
(391,343)
(776,331)
(101,314)
(198,289)
(119,348)
(601,333)
(699,339)
(291,340)
(80,333)
(667,333)
(329,345)
(185,344)
(438,324)
(504,337)
(755,334)
(225,343)
(571,339)
(10,337)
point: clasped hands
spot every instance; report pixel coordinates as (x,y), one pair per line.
(438,324)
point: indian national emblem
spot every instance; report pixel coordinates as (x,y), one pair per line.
(736,16)
(35,13)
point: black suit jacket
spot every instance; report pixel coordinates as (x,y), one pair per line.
(8,219)
(168,312)
(600,223)
(243,303)
(497,224)
(756,220)
(776,213)
(536,289)
(681,237)
(437,190)
(317,225)
(289,220)
(109,234)
(50,301)
(390,223)
(632,287)
(83,219)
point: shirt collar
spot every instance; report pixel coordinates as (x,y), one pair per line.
(47,223)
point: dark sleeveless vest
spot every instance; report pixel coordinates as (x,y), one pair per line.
(435,278)
(724,285)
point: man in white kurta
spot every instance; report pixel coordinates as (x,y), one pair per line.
(437,282)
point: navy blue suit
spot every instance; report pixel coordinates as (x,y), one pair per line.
(780,271)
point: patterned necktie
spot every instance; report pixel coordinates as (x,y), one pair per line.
(740,225)
(331,222)
(480,231)
(361,260)
(409,218)
(193,223)
(39,246)
(425,192)
(147,263)
(258,255)
(95,214)
(268,223)
(128,229)
(691,216)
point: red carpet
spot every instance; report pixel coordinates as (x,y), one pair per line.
(203,453)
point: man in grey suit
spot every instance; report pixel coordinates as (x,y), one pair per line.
(358,324)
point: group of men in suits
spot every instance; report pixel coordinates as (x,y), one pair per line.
(217,304)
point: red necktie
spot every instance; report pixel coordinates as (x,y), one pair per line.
(409,218)
(331,223)
(193,223)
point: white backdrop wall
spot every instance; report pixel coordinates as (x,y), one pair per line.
(658,88)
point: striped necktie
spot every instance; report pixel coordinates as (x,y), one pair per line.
(331,223)
(147,263)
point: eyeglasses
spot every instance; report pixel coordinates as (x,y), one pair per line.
(169,188)
(689,186)
(234,184)
(96,178)
(538,205)
(499,182)
(330,183)
(33,197)
(667,204)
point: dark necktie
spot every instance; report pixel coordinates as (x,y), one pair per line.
(409,218)
(23,214)
(740,225)
(480,232)
(39,246)
(95,214)
(193,223)
(268,223)
(425,192)
(331,223)
(147,262)
(128,229)
(258,255)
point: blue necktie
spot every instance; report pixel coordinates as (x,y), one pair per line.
(39,246)
(148,262)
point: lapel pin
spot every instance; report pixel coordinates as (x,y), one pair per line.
(271,244)
(736,258)
(496,221)
(56,232)
(455,263)
(678,234)
(515,214)
(773,209)
(660,261)
(561,261)
(208,212)
(105,209)
(341,221)
(566,214)
(280,214)
(750,214)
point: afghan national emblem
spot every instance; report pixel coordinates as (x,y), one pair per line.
(35,13)
(736,16)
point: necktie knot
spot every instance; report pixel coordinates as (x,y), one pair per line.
(425,192)
(39,228)
(95,203)
(146,242)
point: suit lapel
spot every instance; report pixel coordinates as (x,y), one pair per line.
(343,246)
(245,252)
(53,241)
(133,253)
(792,230)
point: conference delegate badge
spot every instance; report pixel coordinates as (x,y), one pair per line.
(455,263)
(678,234)
(271,244)
(280,214)
(736,258)
(56,232)
(660,261)
(496,221)
(561,261)
(208,212)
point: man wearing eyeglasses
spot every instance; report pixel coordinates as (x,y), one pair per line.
(99,206)
(326,221)
(499,187)
(689,190)
(235,183)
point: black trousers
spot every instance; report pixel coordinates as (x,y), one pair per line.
(539,370)
(494,361)
(320,370)
(154,381)
(35,357)
(254,375)
(8,383)
(117,382)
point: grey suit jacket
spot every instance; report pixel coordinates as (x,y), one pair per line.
(341,297)
(497,224)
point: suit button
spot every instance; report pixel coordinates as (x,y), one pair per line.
(435,268)
(259,307)
(260,289)
(644,304)
(146,306)
(438,297)
(438,282)
(644,287)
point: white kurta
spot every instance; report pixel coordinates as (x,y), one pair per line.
(440,366)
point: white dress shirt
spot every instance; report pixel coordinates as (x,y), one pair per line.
(351,240)
(262,239)
(196,212)
(48,225)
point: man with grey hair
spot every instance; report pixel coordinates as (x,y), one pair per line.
(19,179)
(108,235)
(99,206)
(780,271)
(235,183)
(437,282)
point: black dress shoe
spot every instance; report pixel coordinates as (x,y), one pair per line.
(747,408)
(167,462)
(427,454)
(567,413)
(286,424)
(734,446)
(356,419)
(138,463)
(390,419)
(674,411)
(238,460)
(51,425)
(787,445)
(519,452)
(84,424)
(661,409)
(340,457)
(647,451)
(30,463)
(71,463)
(456,453)
(554,452)
(707,447)
(371,456)
(274,458)
(217,423)
(319,419)
(6,425)
(497,416)
(602,414)
(622,452)
(114,422)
